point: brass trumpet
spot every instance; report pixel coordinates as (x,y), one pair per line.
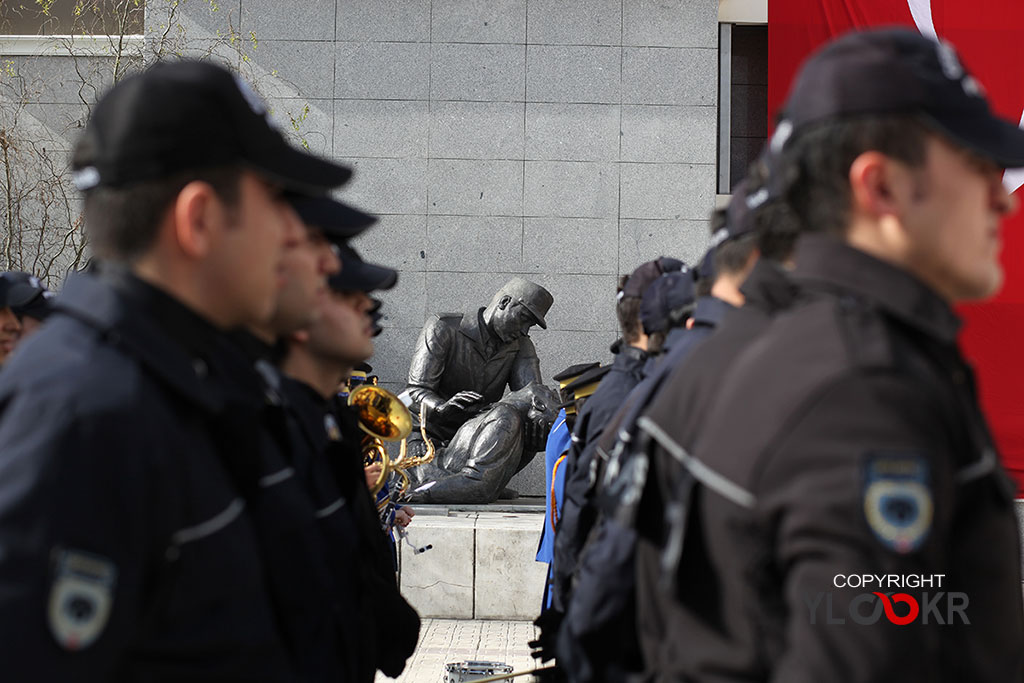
(384,417)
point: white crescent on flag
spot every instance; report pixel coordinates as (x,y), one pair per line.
(921,11)
(1013,178)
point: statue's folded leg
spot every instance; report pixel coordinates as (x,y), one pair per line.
(482,456)
(430,471)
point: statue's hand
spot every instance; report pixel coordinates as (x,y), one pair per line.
(458,408)
(537,430)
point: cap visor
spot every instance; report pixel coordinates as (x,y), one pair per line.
(363,277)
(337,219)
(987,135)
(299,171)
(18,295)
(537,317)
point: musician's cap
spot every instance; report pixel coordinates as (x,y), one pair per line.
(586,384)
(565,377)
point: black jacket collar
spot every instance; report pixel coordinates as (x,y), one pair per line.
(710,310)
(827,261)
(629,358)
(174,343)
(309,409)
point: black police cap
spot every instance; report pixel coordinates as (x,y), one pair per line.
(896,70)
(646,273)
(15,290)
(183,115)
(356,274)
(667,301)
(41,304)
(337,220)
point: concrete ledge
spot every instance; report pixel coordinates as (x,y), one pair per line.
(481,565)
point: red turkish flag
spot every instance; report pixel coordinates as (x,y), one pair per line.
(989,35)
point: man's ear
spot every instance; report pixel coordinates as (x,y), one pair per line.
(197,213)
(299,336)
(504,302)
(879,185)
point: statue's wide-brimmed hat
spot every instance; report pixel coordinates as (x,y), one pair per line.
(535,298)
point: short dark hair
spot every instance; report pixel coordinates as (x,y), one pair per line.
(655,342)
(815,163)
(122,222)
(627,309)
(730,257)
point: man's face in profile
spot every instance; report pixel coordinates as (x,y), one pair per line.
(512,321)
(10,330)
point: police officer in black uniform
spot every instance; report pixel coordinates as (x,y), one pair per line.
(132,545)
(326,440)
(735,249)
(597,639)
(312,572)
(860,527)
(666,309)
(14,292)
(625,373)
(679,406)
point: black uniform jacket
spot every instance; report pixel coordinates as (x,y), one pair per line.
(127,549)
(578,514)
(600,631)
(862,453)
(679,408)
(315,607)
(327,455)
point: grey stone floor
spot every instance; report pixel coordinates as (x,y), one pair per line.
(455,640)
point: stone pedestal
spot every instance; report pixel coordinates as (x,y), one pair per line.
(481,565)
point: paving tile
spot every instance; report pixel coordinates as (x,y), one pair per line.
(444,641)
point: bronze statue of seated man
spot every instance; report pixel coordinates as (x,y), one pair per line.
(459,372)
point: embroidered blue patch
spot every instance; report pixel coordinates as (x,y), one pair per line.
(898,499)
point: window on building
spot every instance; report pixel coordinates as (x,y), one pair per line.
(71,17)
(743,100)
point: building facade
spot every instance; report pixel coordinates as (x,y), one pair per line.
(565,141)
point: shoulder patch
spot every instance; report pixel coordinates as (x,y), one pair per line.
(332,428)
(81,597)
(897,497)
